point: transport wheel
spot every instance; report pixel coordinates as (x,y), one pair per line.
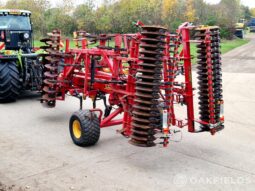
(10,84)
(84,128)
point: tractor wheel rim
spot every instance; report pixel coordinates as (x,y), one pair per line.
(77,129)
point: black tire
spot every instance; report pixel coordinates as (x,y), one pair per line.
(10,84)
(89,130)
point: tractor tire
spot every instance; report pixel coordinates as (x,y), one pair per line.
(10,84)
(84,128)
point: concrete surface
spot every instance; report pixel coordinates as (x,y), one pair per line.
(36,151)
(242,59)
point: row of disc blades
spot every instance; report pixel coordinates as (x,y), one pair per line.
(171,71)
(146,114)
(203,73)
(50,60)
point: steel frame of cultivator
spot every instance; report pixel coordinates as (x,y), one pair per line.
(138,75)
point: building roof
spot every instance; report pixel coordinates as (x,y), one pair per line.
(14,11)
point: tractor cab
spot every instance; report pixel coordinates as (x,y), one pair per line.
(16,30)
(20,67)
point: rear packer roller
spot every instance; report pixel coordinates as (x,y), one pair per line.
(146,114)
(209,77)
(51,61)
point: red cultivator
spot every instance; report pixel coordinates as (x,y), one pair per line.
(137,77)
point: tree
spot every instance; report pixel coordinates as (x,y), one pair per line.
(55,18)
(103,20)
(228,12)
(117,16)
(85,16)
(154,12)
(245,12)
(200,13)
(190,13)
(174,13)
(252,12)
(122,14)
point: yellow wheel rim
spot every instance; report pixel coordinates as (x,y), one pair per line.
(76,129)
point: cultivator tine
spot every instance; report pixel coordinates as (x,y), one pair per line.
(79,36)
(51,61)
(146,114)
(55,34)
(209,77)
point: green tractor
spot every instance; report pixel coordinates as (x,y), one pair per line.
(20,68)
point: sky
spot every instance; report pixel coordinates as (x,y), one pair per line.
(250,3)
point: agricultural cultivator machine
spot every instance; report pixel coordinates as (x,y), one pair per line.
(20,68)
(143,76)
